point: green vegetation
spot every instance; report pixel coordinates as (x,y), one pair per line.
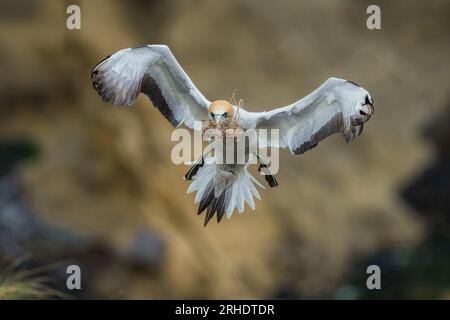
(17,283)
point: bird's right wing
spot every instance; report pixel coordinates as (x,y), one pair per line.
(154,71)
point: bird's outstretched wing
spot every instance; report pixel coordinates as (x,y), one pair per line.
(336,106)
(154,71)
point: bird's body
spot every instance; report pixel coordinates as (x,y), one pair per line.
(221,186)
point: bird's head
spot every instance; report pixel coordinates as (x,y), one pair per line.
(220,111)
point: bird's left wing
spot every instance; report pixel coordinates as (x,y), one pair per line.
(336,106)
(154,71)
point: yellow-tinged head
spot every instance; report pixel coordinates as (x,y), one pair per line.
(220,110)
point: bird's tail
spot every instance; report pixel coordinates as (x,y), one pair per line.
(221,194)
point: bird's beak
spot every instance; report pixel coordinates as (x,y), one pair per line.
(219,118)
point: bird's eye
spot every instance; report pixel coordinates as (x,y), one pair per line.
(367,100)
(211,114)
(225,115)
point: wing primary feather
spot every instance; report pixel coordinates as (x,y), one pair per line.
(153,91)
(334,125)
(152,70)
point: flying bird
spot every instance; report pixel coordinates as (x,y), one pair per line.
(337,106)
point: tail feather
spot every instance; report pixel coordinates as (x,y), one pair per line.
(251,177)
(254,192)
(201,182)
(212,208)
(232,200)
(233,196)
(239,199)
(216,205)
(210,211)
(246,192)
(222,206)
(207,197)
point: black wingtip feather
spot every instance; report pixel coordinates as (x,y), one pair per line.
(95,69)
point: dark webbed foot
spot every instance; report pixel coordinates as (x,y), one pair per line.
(194,169)
(268,176)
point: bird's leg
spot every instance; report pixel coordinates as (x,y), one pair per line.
(267,175)
(194,169)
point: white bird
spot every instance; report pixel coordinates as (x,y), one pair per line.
(336,106)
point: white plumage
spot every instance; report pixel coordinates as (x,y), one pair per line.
(336,106)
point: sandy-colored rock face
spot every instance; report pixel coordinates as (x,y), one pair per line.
(107,171)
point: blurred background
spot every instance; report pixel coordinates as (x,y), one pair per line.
(84,183)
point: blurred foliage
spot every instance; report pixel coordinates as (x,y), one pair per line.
(17,283)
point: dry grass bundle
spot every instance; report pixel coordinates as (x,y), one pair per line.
(229,130)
